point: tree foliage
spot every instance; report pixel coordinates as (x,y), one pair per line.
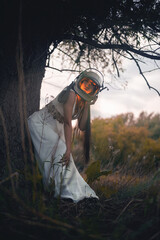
(104,35)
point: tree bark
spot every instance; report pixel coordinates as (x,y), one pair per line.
(12,110)
(19,99)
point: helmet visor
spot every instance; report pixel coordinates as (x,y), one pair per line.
(88,86)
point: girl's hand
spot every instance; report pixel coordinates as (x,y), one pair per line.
(66,158)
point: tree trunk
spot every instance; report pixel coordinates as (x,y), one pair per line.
(23,56)
(14,109)
(21,73)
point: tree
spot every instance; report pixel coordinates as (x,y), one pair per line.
(126,28)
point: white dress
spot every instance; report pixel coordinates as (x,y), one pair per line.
(48,138)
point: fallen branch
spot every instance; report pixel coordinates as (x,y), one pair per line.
(15,174)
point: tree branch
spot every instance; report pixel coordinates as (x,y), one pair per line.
(62,70)
(123,47)
(151,70)
(115,63)
(140,71)
(65,54)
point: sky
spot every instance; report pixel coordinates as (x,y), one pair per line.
(129,93)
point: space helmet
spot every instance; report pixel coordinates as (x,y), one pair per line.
(94,77)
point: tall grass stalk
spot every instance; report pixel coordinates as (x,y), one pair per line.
(23,103)
(7,150)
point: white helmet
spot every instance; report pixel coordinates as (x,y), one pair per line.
(97,79)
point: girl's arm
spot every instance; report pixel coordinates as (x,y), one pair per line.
(68,107)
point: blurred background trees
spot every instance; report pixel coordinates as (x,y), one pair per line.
(132,145)
(124,143)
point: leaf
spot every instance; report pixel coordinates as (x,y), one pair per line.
(93,172)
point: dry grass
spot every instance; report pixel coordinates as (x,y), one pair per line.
(128,208)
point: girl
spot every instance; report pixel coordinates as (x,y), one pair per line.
(51,133)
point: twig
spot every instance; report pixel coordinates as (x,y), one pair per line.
(115,64)
(66,54)
(15,174)
(33,223)
(140,71)
(7,149)
(148,45)
(154,236)
(63,70)
(151,70)
(124,209)
(156,64)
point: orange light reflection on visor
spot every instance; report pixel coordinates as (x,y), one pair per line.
(88,86)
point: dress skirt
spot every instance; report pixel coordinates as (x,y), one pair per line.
(49,144)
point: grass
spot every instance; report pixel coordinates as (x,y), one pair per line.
(128,209)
